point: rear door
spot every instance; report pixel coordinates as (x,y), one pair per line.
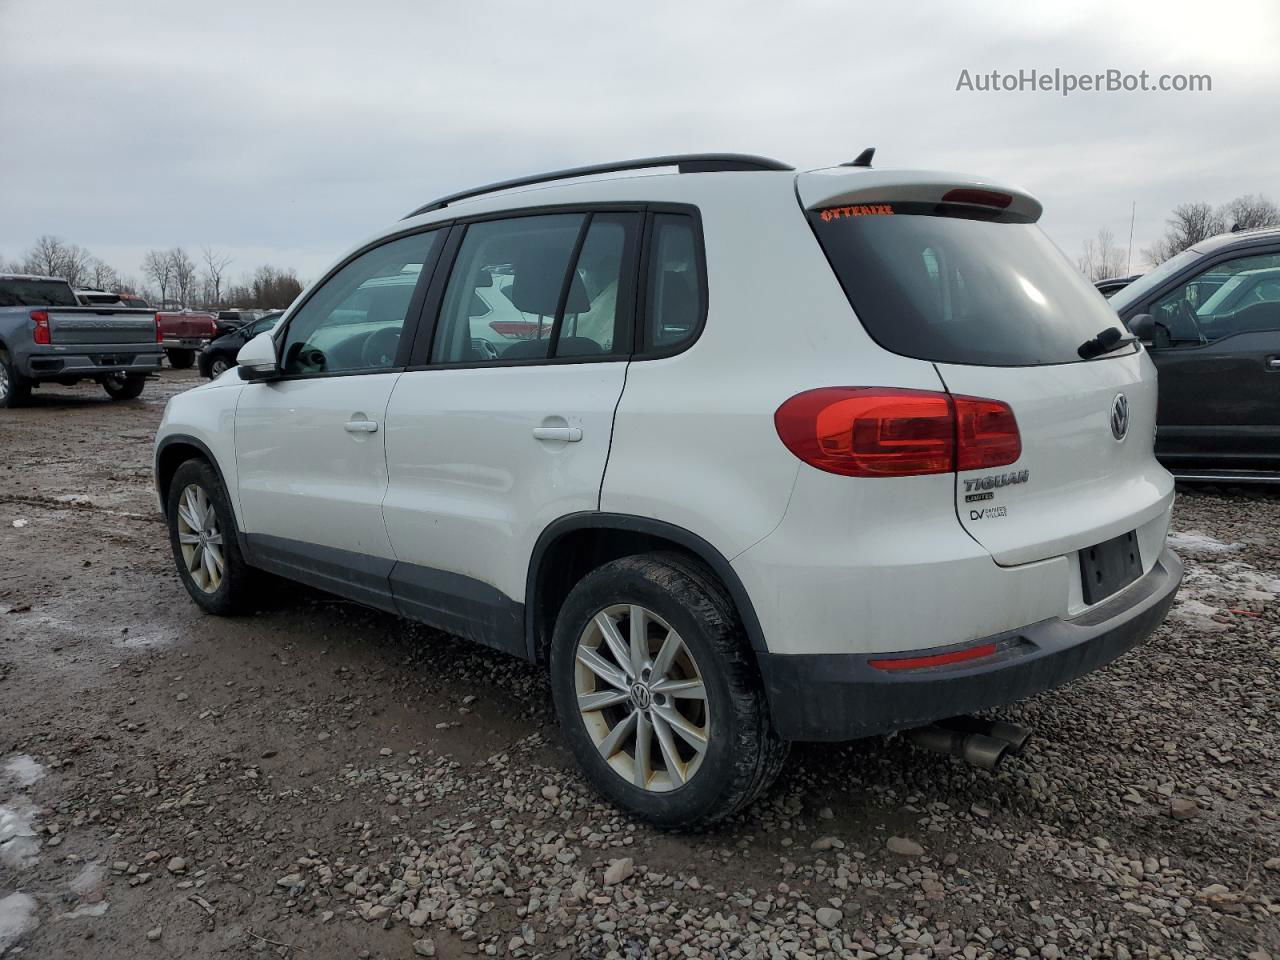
(960,275)
(497,431)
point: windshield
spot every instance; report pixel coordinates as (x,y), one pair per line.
(1149,281)
(15,292)
(951,289)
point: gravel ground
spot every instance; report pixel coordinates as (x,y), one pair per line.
(322,780)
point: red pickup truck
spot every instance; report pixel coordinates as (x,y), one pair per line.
(184,332)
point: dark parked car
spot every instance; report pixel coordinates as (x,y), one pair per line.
(220,354)
(1211,319)
(1113,285)
(229,320)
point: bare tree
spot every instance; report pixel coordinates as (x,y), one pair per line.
(1101,257)
(215,266)
(183,270)
(102,276)
(1249,212)
(46,257)
(159,270)
(1188,225)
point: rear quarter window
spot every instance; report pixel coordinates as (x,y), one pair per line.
(16,292)
(952,289)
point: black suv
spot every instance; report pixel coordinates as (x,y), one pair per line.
(1211,319)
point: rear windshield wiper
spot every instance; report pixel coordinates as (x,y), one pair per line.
(1108,340)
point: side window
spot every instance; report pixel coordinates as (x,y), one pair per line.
(1237,296)
(354,321)
(512,296)
(674,301)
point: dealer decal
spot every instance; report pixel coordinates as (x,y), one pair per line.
(857,210)
(988,513)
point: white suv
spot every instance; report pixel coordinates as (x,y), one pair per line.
(788,456)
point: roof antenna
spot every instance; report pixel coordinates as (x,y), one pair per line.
(863,159)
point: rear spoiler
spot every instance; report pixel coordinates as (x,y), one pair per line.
(837,187)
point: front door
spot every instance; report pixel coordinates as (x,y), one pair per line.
(1217,350)
(309,446)
(505,426)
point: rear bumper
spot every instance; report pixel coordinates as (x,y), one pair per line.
(92,361)
(184,343)
(842,697)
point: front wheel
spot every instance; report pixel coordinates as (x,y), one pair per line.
(218,367)
(202,535)
(123,386)
(181,359)
(657,693)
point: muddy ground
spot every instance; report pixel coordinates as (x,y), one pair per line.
(320,780)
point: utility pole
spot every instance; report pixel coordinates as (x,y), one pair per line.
(1128,266)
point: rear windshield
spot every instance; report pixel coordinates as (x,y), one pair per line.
(36,293)
(951,289)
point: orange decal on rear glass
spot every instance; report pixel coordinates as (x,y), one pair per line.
(858,210)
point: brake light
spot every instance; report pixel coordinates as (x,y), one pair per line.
(159,335)
(891,432)
(936,660)
(981,198)
(519,329)
(41,332)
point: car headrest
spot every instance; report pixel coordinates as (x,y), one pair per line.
(539,276)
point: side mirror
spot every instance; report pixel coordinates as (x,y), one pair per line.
(1143,326)
(257,358)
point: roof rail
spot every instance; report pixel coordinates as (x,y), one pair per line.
(685,162)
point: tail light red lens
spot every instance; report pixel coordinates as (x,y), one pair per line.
(981,198)
(520,329)
(889,432)
(159,335)
(936,660)
(40,333)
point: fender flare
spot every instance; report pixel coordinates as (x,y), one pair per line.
(595,520)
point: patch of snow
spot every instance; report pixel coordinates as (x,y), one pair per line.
(1193,541)
(1197,614)
(88,881)
(22,770)
(87,910)
(19,846)
(20,523)
(17,916)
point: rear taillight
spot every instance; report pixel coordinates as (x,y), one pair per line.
(520,329)
(40,334)
(935,660)
(159,335)
(890,432)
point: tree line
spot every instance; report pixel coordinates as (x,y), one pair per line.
(1188,224)
(172,277)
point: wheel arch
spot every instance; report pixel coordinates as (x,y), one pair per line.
(175,450)
(575,544)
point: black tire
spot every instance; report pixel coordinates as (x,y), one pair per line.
(743,753)
(15,389)
(126,386)
(181,359)
(234,593)
(218,366)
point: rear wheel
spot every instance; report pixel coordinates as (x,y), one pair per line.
(14,387)
(218,367)
(123,386)
(181,359)
(202,535)
(657,694)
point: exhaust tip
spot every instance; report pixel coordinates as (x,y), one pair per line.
(983,751)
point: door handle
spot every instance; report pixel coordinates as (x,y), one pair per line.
(568,434)
(361,426)
(1273,363)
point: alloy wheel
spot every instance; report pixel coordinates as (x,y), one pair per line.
(641,697)
(218,368)
(5,384)
(200,539)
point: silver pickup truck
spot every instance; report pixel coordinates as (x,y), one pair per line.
(45,335)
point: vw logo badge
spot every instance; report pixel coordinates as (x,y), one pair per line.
(1120,416)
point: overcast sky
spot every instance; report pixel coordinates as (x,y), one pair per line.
(286,132)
